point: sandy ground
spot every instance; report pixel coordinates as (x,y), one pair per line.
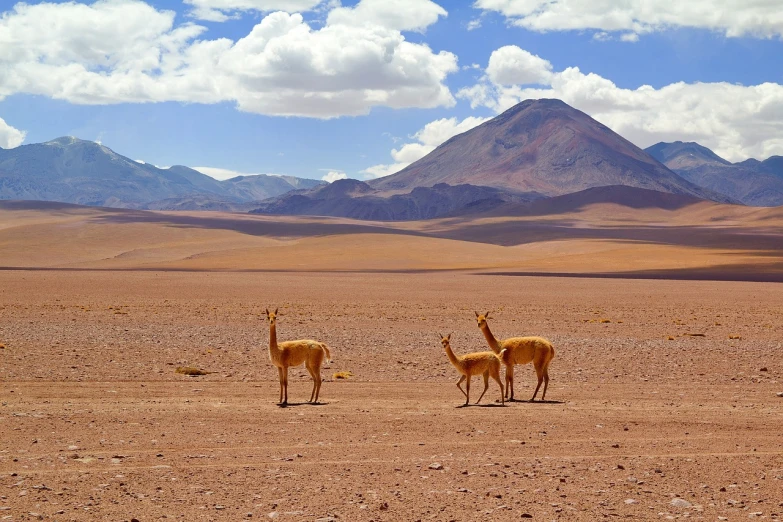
(704,240)
(646,420)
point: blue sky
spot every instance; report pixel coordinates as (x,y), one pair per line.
(360,89)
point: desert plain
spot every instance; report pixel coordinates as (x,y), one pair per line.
(663,402)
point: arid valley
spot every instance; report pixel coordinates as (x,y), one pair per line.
(663,402)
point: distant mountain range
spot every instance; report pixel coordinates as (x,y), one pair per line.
(71,170)
(535,151)
(751,182)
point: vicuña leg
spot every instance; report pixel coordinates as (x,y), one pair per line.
(540,375)
(486,385)
(510,382)
(280,378)
(546,383)
(496,376)
(285,385)
(459,385)
(315,373)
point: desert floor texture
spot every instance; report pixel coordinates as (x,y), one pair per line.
(663,403)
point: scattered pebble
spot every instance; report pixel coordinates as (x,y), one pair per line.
(680,503)
(436,466)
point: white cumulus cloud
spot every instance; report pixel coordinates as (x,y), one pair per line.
(427,139)
(222,10)
(334,175)
(733,18)
(399,15)
(735,121)
(510,65)
(223,174)
(120,51)
(10,137)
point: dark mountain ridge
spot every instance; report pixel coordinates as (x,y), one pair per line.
(355,199)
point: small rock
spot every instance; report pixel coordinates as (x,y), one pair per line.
(764,369)
(218,506)
(633,480)
(526,515)
(274,514)
(780,394)
(620,466)
(436,466)
(631,501)
(73,447)
(680,503)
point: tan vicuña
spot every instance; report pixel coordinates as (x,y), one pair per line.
(294,353)
(520,350)
(486,364)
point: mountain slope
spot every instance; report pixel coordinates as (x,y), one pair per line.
(71,170)
(542,146)
(751,182)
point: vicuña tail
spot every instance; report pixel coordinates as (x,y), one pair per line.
(326,352)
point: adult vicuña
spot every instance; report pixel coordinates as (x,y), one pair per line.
(294,353)
(486,364)
(520,350)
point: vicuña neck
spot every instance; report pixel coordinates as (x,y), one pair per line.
(453,358)
(491,340)
(272,337)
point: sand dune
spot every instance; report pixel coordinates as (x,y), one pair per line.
(594,238)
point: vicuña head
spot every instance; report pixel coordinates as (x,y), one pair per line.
(481,319)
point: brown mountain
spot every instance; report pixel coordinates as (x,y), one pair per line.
(752,182)
(542,146)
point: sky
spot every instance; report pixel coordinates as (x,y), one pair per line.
(360,89)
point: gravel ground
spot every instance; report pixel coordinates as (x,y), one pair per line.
(662,405)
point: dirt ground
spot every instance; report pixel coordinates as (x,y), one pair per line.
(96,425)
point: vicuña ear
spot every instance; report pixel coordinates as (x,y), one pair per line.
(276,311)
(440,336)
(448,337)
(267,312)
(486,315)
(475,312)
